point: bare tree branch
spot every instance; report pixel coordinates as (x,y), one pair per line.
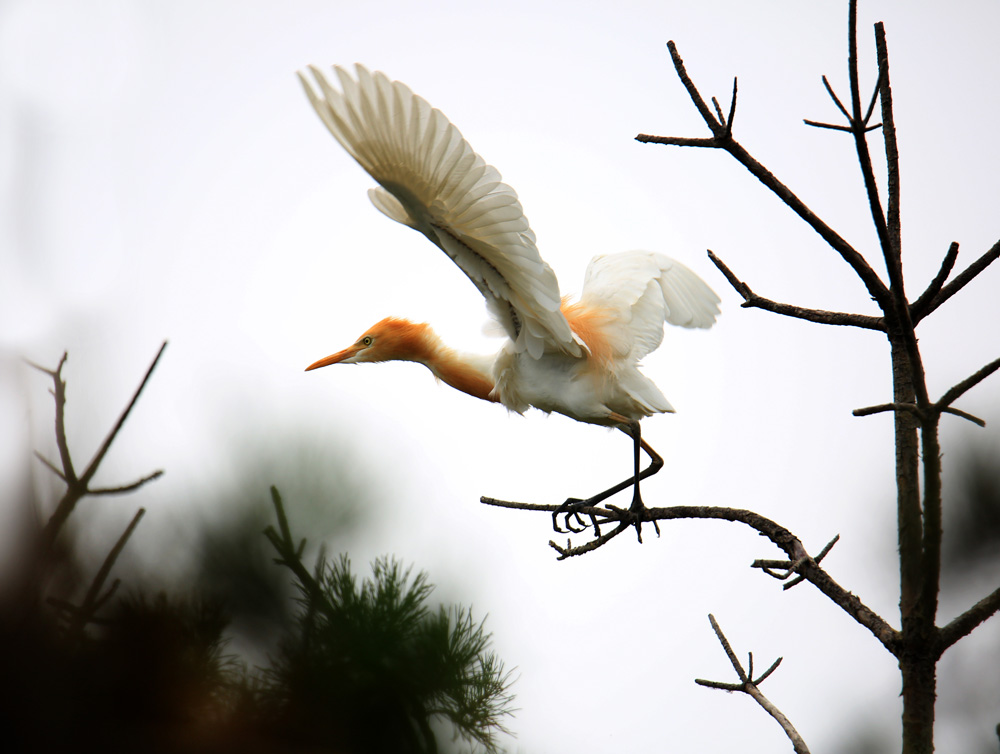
(680,141)
(778,534)
(917,307)
(829,126)
(965,415)
(752,301)
(749,687)
(99,456)
(723,140)
(960,281)
(836,99)
(51,466)
(570,551)
(783,569)
(59,393)
(965,385)
(894,263)
(732,111)
(910,408)
(873,101)
(92,601)
(717,128)
(836,127)
(127,487)
(864,156)
(78,487)
(968,621)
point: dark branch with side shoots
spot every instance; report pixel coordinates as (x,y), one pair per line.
(751,687)
(919,642)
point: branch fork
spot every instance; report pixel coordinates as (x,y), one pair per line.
(750,686)
(78,486)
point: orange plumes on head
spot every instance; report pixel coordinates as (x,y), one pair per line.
(395,339)
(392,339)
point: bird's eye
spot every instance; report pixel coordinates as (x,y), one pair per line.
(367,340)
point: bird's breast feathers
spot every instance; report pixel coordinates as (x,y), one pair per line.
(578,387)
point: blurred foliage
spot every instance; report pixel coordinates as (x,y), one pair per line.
(972,512)
(151,666)
(361,667)
(373,668)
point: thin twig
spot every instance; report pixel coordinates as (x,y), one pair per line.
(891,159)
(749,687)
(728,649)
(92,600)
(570,551)
(524,506)
(836,127)
(835,98)
(59,394)
(819,559)
(968,621)
(967,384)
(718,111)
(680,141)
(126,487)
(752,301)
(102,451)
(947,264)
(717,128)
(766,674)
(965,415)
(51,466)
(830,126)
(78,487)
(909,408)
(872,103)
(960,281)
(732,111)
(891,241)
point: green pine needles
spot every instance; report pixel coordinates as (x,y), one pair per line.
(372,668)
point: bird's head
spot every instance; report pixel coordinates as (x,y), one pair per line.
(392,339)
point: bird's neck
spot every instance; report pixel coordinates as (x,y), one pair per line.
(470,373)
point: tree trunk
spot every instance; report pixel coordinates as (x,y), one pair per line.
(916,663)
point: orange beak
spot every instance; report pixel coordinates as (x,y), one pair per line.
(346,355)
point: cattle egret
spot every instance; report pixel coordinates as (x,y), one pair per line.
(577,359)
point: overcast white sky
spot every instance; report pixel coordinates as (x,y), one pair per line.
(163,176)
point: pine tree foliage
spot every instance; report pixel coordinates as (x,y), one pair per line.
(372,666)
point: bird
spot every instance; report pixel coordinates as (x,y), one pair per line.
(579,358)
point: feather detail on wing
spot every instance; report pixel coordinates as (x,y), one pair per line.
(432,180)
(637,291)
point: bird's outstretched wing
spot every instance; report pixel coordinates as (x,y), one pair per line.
(639,291)
(432,180)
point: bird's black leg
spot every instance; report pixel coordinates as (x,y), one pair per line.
(638,509)
(631,428)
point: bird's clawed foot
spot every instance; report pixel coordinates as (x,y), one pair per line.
(573,522)
(637,513)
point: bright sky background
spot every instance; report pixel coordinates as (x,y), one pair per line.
(163,176)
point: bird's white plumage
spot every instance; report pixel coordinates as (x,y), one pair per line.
(640,290)
(581,360)
(432,180)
